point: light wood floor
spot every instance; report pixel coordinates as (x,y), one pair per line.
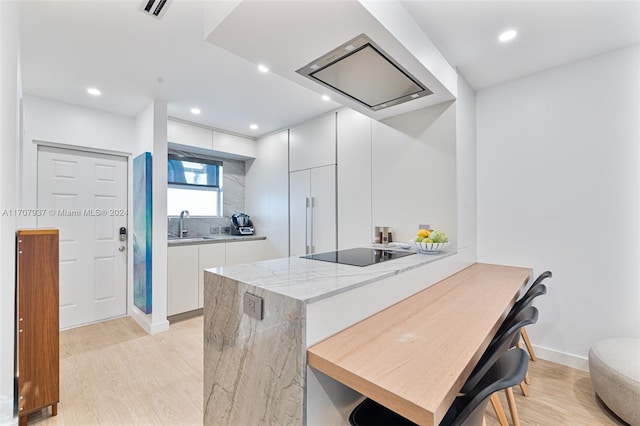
(113,373)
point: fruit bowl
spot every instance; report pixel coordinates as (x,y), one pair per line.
(428,247)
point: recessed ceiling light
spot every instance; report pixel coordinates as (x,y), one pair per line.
(253,127)
(195,111)
(93,91)
(325,98)
(508,35)
(263,68)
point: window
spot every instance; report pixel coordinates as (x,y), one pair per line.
(194,184)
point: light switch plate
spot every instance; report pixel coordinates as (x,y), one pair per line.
(252,306)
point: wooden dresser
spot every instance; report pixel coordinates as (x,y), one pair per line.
(37,302)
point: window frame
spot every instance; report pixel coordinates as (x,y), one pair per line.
(217,188)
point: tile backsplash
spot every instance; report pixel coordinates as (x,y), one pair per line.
(233,172)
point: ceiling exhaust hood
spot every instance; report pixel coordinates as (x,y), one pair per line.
(362,71)
(390,69)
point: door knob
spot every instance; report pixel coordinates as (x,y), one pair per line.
(122,248)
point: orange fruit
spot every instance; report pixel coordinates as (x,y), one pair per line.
(423,233)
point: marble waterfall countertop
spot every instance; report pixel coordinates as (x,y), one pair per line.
(312,280)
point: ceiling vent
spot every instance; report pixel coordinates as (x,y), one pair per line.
(155,8)
(362,71)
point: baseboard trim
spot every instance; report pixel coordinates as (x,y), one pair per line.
(185,315)
(570,360)
(141,319)
(159,327)
(146,321)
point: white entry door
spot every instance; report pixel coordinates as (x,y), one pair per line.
(84,195)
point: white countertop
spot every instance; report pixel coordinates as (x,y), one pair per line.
(312,280)
(212,239)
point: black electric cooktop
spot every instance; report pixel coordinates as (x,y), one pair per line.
(358,256)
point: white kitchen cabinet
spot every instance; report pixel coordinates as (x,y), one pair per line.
(312,210)
(209,256)
(231,144)
(188,134)
(267,192)
(244,252)
(186,265)
(182,279)
(214,141)
(354,182)
(313,144)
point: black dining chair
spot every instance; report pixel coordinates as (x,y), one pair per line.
(468,409)
(525,302)
(527,342)
(537,288)
(502,342)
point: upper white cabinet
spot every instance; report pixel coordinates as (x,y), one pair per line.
(354,183)
(223,144)
(187,134)
(313,144)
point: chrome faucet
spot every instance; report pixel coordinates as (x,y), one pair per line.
(182,232)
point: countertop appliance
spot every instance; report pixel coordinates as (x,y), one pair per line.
(241,225)
(358,256)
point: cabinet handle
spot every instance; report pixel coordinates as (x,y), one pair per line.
(311,227)
(306,225)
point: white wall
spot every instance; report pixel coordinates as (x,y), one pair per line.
(47,121)
(558,189)
(151,136)
(52,122)
(10,93)
(466,167)
(414,171)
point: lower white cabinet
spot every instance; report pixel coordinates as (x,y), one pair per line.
(209,256)
(182,279)
(245,252)
(186,265)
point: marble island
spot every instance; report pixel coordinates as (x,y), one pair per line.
(255,370)
(312,280)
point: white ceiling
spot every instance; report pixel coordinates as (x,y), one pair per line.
(68,46)
(550,33)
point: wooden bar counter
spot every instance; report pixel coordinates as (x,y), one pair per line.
(414,356)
